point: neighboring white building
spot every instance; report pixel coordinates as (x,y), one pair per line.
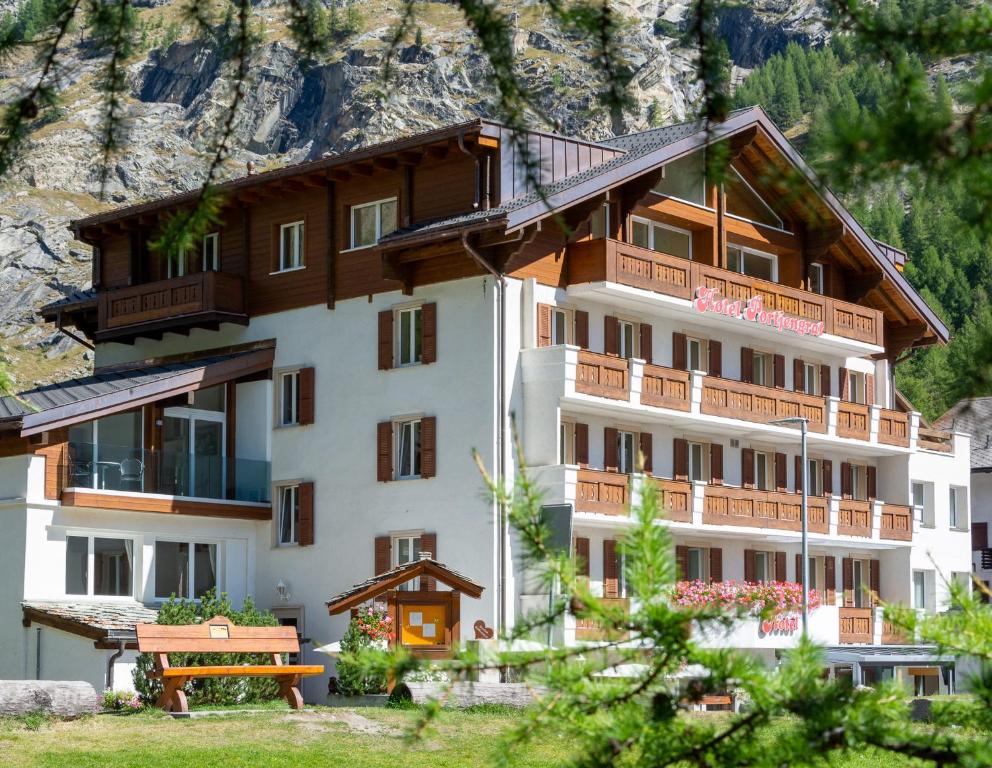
(292,410)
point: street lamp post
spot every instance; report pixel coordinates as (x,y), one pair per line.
(804,482)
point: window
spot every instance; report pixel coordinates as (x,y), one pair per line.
(406,549)
(626,452)
(372,221)
(566,443)
(290,246)
(176,264)
(599,222)
(685,179)
(289,398)
(922,497)
(410,337)
(920,592)
(745,203)
(658,237)
(957,508)
(856,387)
(814,278)
(811,378)
(862,597)
(814,477)
(211,252)
(696,354)
(289,515)
(697,564)
(753,263)
(560,326)
(858,481)
(407,449)
(761,372)
(108,453)
(99,566)
(764,566)
(697,462)
(176,574)
(764,471)
(626,343)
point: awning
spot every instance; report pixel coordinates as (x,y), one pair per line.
(361,593)
(102,622)
(121,388)
(886,655)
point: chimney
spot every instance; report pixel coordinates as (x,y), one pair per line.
(250,165)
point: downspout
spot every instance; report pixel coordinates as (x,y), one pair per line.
(475,158)
(110,664)
(500,283)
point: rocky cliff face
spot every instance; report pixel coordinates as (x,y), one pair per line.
(179,92)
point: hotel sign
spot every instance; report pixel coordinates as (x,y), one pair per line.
(784,625)
(753,311)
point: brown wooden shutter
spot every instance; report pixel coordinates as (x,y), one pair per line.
(681,562)
(428,543)
(611,586)
(979,536)
(747,365)
(874,580)
(611,335)
(428,330)
(610,460)
(544,325)
(825,380)
(646,343)
(716,564)
(428,446)
(845,480)
(747,467)
(680,468)
(384,451)
(716,358)
(798,480)
(716,463)
(799,568)
(305,500)
(307,405)
(383,559)
(872,482)
(582,444)
(828,477)
(847,581)
(869,389)
(780,572)
(843,384)
(582,556)
(781,472)
(778,371)
(679,358)
(582,329)
(749,565)
(646,453)
(830,577)
(799,375)
(385,340)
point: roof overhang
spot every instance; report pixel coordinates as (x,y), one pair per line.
(85,620)
(367,590)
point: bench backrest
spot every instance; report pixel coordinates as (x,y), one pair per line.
(216,635)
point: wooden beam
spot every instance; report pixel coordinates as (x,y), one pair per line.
(741,141)
(899,338)
(860,286)
(388,163)
(363,169)
(438,150)
(338,174)
(411,157)
(821,240)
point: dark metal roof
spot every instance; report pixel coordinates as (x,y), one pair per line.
(410,570)
(77,299)
(90,619)
(974,416)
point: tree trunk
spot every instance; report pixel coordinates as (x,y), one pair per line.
(63,698)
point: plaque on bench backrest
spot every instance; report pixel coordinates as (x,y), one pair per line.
(220,632)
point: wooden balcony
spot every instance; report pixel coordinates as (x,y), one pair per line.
(893,427)
(723,505)
(893,635)
(590,630)
(935,440)
(613,261)
(203,298)
(666,388)
(602,375)
(896,523)
(604,493)
(853,420)
(856,625)
(854,518)
(751,402)
(676,500)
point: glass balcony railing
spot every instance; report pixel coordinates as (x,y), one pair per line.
(174,473)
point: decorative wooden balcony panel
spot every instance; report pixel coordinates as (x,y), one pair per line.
(896,523)
(676,501)
(613,261)
(854,518)
(853,420)
(893,427)
(751,402)
(606,493)
(893,635)
(762,509)
(856,625)
(935,440)
(666,388)
(590,630)
(602,375)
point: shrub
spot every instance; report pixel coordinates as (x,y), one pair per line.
(120,701)
(211,690)
(371,628)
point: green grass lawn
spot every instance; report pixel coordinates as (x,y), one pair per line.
(319,737)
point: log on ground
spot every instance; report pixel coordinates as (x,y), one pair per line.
(61,698)
(468,694)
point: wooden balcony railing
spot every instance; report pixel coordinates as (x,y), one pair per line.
(203,293)
(893,635)
(602,375)
(893,427)
(723,505)
(606,493)
(676,500)
(854,518)
(614,261)
(935,440)
(853,420)
(856,625)
(589,629)
(751,402)
(666,388)
(896,523)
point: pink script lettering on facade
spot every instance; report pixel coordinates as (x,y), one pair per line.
(753,311)
(783,624)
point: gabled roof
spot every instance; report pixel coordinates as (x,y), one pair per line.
(974,416)
(370,588)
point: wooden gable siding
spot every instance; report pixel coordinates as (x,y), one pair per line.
(444,187)
(115,260)
(543,258)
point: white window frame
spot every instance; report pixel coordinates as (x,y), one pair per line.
(298,260)
(563,316)
(768,559)
(702,206)
(377,204)
(814,476)
(294,533)
(191,566)
(566,442)
(773,258)
(651,224)
(214,266)
(923,511)
(91,537)
(281,376)
(414,337)
(701,464)
(627,454)
(399,425)
(703,356)
(817,268)
(765,363)
(622,327)
(704,563)
(781,224)
(179,259)
(410,536)
(856,387)
(859,481)
(811,378)
(766,478)
(957,508)
(929,583)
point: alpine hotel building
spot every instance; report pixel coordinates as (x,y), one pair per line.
(289,408)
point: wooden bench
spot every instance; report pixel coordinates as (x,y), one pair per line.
(219,635)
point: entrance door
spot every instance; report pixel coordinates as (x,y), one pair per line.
(193,453)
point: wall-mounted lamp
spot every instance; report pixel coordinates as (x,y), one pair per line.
(282,589)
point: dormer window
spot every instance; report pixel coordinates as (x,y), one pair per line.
(372,221)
